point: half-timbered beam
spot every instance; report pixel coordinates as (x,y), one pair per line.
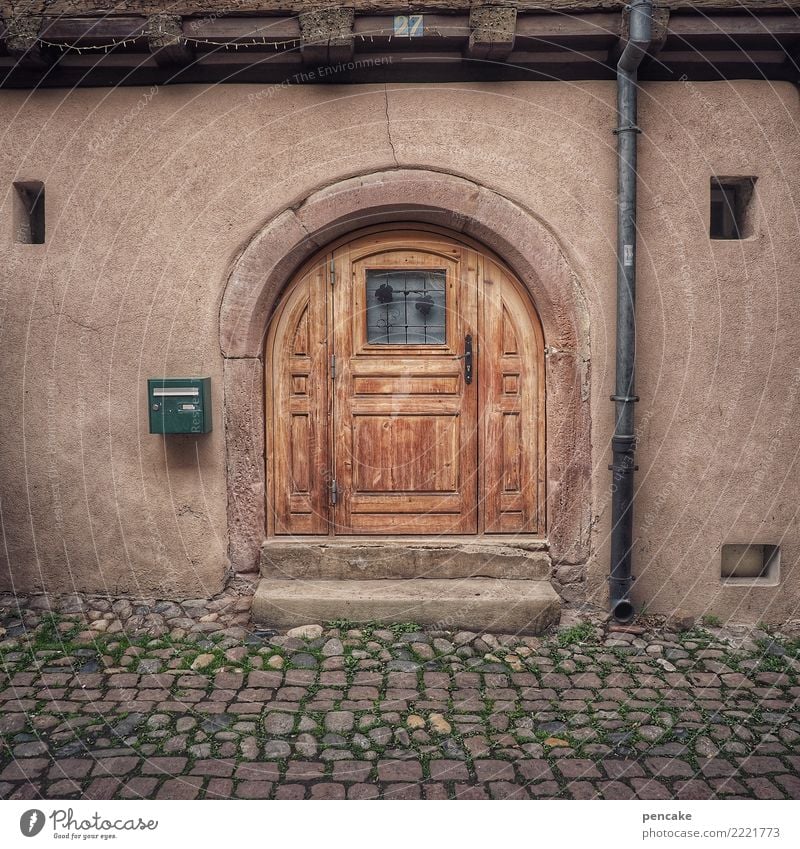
(207,8)
(513,44)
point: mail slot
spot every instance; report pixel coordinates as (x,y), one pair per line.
(179,404)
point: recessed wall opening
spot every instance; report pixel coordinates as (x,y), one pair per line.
(731,207)
(750,563)
(29,212)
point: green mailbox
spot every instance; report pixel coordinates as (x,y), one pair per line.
(179,404)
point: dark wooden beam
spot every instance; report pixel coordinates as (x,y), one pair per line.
(269,69)
(555,27)
(733,26)
(440,32)
(217,8)
(258,47)
(209,33)
(88,32)
(724,64)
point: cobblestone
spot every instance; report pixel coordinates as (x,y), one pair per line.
(384,712)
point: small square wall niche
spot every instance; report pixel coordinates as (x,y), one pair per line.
(750,564)
(28,217)
(731,207)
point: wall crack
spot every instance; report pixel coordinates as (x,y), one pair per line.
(389,125)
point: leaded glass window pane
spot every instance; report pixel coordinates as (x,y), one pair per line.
(406,307)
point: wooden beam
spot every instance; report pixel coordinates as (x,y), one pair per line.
(544,43)
(86,32)
(241,30)
(733,26)
(379,29)
(217,8)
(271,69)
(725,62)
(555,27)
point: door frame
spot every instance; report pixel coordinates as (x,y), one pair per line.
(324,259)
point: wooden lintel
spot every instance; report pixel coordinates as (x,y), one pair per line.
(89,31)
(491,32)
(690,27)
(220,8)
(326,36)
(557,29)
(284,67)
(242,30)
(166,41)
(378,29)
(582,45)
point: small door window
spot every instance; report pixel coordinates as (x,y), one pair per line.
(406,306)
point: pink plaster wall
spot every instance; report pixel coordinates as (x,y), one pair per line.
(152,196)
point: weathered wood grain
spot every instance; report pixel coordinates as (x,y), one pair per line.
(236,7)
(511,380)
(297,410)
(405,457)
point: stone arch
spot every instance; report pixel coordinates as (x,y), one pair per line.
(524,243)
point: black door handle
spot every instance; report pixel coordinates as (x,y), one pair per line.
(468,358)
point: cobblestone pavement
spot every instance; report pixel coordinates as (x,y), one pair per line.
(150,699)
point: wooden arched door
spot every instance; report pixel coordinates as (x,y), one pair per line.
(405,393)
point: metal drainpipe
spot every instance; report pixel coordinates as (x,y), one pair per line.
(623,442)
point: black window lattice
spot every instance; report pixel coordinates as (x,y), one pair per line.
(406,307)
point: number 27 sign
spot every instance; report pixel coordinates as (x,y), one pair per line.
(408,26)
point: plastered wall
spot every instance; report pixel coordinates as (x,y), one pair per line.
(152,194)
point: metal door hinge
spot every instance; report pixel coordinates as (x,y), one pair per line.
(333,271)
(334,492)
(333,366)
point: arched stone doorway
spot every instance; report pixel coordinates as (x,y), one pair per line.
(268,263)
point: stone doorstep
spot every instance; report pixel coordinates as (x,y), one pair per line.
(387,559)
(477,604)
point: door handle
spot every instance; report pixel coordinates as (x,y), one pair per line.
(468,358)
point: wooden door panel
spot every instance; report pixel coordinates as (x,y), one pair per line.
(406,385)
(401,453)
(511,375)
(297,405)
(407,524)
(440,502)
(406,447)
